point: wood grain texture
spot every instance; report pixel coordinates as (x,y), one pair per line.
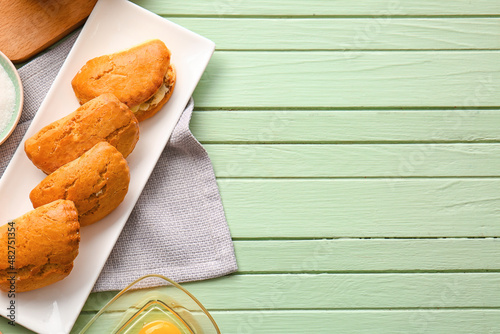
(322,208)
(350,291)
(356,149)
(351,126)
(350,80)
(368,255)
(28,27)
(346,126)
(355,160)
(318,8)
(461,321)
(347,33)
(343,291)
(360,322)
(356,321)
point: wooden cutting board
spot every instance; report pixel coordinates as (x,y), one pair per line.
(29,26)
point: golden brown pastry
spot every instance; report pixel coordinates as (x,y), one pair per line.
(97,182)
(46,244)
(141,77)
(104,118)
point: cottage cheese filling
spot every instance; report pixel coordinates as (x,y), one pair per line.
(155,99)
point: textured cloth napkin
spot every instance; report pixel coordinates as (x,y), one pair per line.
(178,228)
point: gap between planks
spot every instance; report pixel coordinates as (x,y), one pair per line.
(322,16)
(346,108)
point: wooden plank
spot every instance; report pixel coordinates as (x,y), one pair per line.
(347,33)
(346,291)
(360,322)
(340,291)
(9,329)
(340,126)
(356,160)
(382,8)
(322,208)
(350,80)
(368,255)
(483,321)
(326,321)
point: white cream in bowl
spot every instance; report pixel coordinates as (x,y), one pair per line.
(7,99)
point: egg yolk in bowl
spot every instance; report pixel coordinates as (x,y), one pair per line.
(160,327)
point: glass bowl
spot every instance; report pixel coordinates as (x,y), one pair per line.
(8,126)
(140,304)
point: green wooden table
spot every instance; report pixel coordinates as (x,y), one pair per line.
(357,150)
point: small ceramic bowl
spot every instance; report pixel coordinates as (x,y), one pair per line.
(19,99)
(152,304)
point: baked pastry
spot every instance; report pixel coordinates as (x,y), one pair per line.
(97,182)
(46,243)
(141,77)
(104,118)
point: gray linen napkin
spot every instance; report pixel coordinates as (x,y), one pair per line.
(178,228)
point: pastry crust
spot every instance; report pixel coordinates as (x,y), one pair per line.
(46,244)
(104,118)
(133,75)
(96,182)
(169,82)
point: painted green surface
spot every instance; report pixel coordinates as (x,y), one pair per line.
(368,255)
(344,291)
(356,146)
(354,79)
(461,321)
(323,7)
(355,160)
(347,33)
(360,321)
(362,208)
(346,126)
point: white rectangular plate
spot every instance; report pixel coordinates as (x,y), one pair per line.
(114,25)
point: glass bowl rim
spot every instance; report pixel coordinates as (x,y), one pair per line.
(127,288)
